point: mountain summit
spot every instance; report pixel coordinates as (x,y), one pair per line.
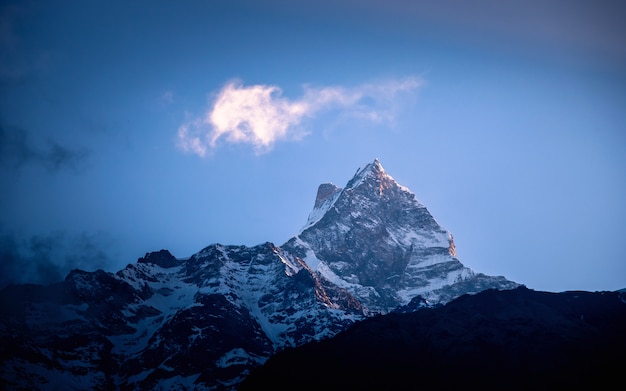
(377,241)
(204,322)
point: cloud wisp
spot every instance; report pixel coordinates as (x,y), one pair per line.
(16,149)
(45,259)
(261,116)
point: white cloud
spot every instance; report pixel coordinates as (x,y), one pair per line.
(257,115)
(191,141)
(260,116)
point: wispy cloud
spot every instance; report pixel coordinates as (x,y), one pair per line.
(44,259)
(18,60)
(17,149)
(260,115)
(167,98)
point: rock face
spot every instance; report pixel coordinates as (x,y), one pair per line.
(205,322)
(376,240)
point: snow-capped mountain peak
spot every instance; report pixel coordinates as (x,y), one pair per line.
(374,175)
(375,239)
(372,170)
(205,321)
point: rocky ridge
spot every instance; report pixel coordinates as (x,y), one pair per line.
(206,321)
(376,240)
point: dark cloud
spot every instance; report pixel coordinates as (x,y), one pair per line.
(17,149)
(15,65)
(44,259)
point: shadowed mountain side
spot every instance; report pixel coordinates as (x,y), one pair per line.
(206,321)
(516,339)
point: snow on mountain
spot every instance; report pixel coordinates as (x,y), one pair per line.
(375,239)
(204,322)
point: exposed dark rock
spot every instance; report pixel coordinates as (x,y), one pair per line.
(377,237)
(205,322)
(161,258)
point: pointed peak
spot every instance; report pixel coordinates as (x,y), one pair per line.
(327,194)
(375,166)
(161,258)
(374,169)
(324,191)
(372,176)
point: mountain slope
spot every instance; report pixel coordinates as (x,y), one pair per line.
(375,239)
(206,321)
(516,339)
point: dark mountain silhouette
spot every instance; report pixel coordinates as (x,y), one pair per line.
(517,339)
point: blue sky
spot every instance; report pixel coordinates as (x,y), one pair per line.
(127,128)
